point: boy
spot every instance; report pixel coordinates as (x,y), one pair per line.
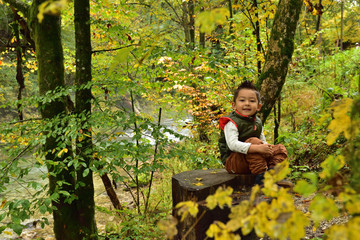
(242,143)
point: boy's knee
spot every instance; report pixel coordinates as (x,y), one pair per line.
(279,149)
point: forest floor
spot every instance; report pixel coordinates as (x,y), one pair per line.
(102,219)
(303,203)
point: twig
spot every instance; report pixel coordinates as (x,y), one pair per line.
(113,49)
(26,120)
(7,167)
(146,5)
(128,186)
(152,172)
(193,225)
(22,186)
(136,160)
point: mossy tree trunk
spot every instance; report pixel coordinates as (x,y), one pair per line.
(191,10)
(84,148)
(280,50)
(73,218)
(49,54)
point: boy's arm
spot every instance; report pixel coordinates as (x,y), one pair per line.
(231,136)
(262,137)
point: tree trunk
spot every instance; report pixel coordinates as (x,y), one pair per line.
(49,54)
(202,35)
(231,30)
(185,22)
(342,25)
(257,34)
(318,22)
(280,50)
(191,6)
(19,73)
(85,192)
(277,119)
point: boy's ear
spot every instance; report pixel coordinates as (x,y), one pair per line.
(233,105)
(259,107)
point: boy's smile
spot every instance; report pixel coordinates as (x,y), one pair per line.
(246,102)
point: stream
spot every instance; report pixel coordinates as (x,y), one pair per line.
(19,190)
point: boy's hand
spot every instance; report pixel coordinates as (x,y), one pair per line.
(265,149)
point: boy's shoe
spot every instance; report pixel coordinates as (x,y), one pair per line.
(285,184)
(259,179)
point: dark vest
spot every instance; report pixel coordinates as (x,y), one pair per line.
(247,126)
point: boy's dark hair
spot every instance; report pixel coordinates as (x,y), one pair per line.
(247,85)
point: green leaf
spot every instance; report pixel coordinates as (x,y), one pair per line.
(43,209)
(121,57)
(323,208)
(17,228)
(331,166)
(208,20)
(304,188)
(86,172)
(2,216)
(312,177)
(55,196)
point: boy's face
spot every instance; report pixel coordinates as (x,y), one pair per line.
(246,102)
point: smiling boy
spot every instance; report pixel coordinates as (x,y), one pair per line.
(242,143)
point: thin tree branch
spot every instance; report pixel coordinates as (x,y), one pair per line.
(146,5)
(19,5)
(113,49)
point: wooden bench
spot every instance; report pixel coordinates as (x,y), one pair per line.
(196,186)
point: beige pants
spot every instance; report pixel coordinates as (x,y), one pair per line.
(255,163)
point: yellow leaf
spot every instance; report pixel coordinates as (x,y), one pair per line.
(198,184)
(221,197)
(198,179)
(39,160)
(341,122)
(65,150)
(51,7)
(219,231)
(168,226)
(8,233)
(3,204)
(187,207)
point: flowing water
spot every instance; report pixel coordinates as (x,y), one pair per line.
(18,190)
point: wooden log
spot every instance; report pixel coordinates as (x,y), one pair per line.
(196,186)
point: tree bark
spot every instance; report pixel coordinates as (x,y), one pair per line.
(191,7)
(257,34)
(201,34)
(280,50)
(231,30)
(19,73)
(84,148)
(49,54)
(342,25)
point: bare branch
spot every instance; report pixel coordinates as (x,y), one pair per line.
(19,5)
(113,49)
